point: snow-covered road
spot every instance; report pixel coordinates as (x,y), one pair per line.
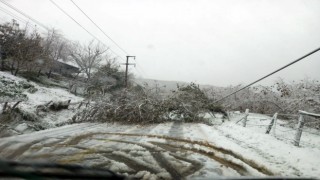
(169,150)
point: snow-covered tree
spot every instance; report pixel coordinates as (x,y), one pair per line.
(21,46)
(55,47)
(88,57)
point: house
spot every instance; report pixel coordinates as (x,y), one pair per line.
(64,68)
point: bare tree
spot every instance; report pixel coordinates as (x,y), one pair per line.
(8,36)
(28,49)
(55,47)
(108,77)
(20,45)
(88,57)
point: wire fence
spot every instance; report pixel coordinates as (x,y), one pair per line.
(292,130)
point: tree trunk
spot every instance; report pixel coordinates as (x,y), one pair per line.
(16,72)
(2,65)
(11,69)
(17,69)
(39,72)
(4,107)
(88,77)
(76,76)
(70,87)
(15,105)
(49,74)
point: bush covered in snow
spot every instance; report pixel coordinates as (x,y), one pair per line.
(11,90)
(139,105)
(282,97)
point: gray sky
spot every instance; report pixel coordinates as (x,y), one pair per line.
(217,42)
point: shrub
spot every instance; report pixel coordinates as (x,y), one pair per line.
(141,106)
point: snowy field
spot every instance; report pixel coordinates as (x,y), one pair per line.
(174,150)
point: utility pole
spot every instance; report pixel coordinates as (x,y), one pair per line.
(156,83)
(127,64)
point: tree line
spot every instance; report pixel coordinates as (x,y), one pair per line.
(285,97)
(25,49)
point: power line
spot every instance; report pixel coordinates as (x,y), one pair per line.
(138,66)
(12,15)
(81,26)
(138,70)
(142,71)
(293,62)
(40,24)
(15,17)
(3,19)
(24,14)
(99,28)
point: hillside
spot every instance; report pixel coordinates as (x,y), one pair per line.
(32,113)
(167,86)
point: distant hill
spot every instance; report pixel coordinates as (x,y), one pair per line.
(169,85)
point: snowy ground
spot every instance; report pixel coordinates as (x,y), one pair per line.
(174,150)
(42,96)
(171,150)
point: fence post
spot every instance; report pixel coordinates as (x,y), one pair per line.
(299,130)
(275,124)
(228,115)
(272,123)
(244,122)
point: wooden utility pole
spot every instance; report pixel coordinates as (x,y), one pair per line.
(127,64)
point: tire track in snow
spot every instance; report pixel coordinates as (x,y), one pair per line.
(260,168)
(135,140)
(176,130)
(133,136)
(133,164)
(116,146)
(157,156)
(249,162)
(54,132)
(264,154)
(26,141)
(241,170)
(21,150)
(196,165)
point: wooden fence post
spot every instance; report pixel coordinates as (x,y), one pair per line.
(244,122)
(299,130)
(272,123)
(228,115)
(275,124)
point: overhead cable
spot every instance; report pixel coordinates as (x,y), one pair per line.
(291,63)
(99,28)
(24,14)
(82,26)
(12,15)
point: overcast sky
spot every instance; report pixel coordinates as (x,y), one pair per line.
(217,42)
